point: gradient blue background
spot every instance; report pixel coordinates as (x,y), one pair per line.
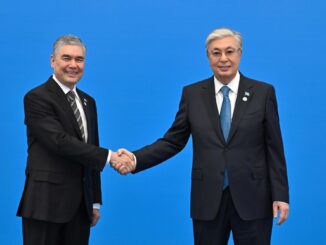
(140,54)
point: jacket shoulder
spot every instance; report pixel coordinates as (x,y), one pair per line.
(199,84)
(38,90)
(256,83)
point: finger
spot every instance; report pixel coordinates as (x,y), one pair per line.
(123,170)
(126,152)
(287,214)
(128,164)
(130,169)
(283,216)
(275,210)
(122,151)
(117,166)
(95,219)
(281,220)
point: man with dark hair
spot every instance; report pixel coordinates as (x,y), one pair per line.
(62,193)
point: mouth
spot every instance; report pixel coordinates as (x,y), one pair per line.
(72,73)
(224,68)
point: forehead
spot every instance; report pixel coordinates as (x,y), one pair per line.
(73,50)
(223,43)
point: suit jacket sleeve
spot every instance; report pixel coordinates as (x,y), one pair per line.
(97,191)
(274,151)
(45,124)
(170,144)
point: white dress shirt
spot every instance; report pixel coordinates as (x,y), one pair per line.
(66,90)
(233,86)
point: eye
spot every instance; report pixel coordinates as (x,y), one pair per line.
(216,53)
(66,58)
(80,59)
(230,52)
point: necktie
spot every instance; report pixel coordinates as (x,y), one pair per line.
(72,100)
(225,117)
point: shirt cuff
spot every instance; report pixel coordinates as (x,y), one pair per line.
(109,158)
(135,160)
(96,206)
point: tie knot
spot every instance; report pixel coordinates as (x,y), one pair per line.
(225,90)
(71,95)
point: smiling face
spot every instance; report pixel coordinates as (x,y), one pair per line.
(224,56)
(68,64)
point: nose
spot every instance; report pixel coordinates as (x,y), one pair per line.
(223,57)
(72,63)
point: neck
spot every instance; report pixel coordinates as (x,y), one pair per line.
(71,86)
(224,80)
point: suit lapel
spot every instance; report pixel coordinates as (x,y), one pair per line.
(211,106)
(60,97)
(245,94)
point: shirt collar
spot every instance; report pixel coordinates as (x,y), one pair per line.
(64,88)
(233,85)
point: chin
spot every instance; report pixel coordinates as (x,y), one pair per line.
(72,79)
(224,75)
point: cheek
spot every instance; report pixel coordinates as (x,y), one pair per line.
(58,67)
(236,62)
(81,67)
(212,63)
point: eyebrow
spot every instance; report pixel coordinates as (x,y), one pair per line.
(76,57)
(229,47)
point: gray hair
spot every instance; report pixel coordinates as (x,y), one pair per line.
(67,40)
(223,32)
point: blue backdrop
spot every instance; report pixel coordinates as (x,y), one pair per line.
(140,54)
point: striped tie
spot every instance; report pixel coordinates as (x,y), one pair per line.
(72,100)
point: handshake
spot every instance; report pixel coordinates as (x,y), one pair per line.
(123,161)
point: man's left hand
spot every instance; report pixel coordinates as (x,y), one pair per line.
(96,216)
(282,208)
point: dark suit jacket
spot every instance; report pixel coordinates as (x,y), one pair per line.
(253,153)
(62,170)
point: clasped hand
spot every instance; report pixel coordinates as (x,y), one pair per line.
(123,161)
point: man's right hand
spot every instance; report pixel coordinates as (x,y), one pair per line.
(123,161)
